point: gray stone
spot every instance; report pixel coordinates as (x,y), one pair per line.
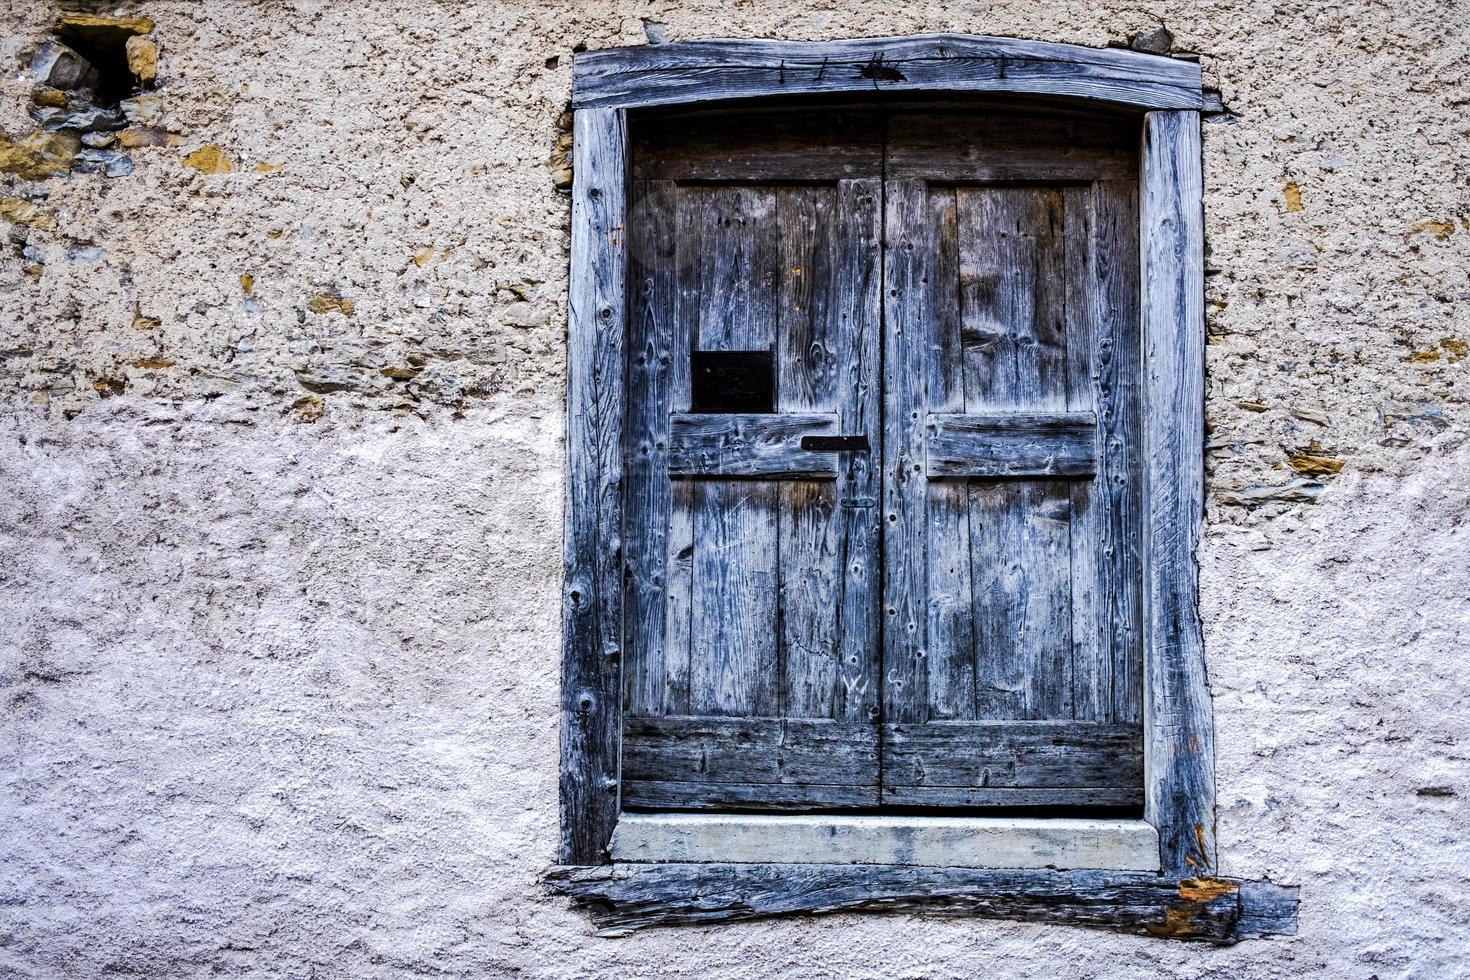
(59,66)
(1157,41)
(90,119)
(109,162)
(142,108)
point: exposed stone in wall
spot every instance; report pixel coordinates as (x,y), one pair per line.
(1337,291)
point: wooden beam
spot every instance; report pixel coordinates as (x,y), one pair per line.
(701,71)
(592,611)
(1011,445)
(622,898)
(750,445)
(1179,751)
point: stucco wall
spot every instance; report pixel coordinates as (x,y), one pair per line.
(280,565)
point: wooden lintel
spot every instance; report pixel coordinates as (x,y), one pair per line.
(622,898)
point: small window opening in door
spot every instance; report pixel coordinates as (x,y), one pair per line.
(732,381)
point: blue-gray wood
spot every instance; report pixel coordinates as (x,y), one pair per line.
(1179,748)
(626,897)
(703,71)
(1010,465)
(1011,445)
(592,608)
(1020,763)
(750,445)
(711,762)
(751,568)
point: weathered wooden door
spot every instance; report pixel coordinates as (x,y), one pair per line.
(752,547)
(939,608)
(1011,488)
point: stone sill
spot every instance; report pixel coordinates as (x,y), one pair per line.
(945,842)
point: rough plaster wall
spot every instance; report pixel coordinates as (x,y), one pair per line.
(279,695)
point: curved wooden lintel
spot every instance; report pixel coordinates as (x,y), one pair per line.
(704,71)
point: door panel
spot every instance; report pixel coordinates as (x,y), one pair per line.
(751,644)
(951,618)
(1012,656)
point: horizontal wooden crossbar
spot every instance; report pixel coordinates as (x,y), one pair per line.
(1012,445)
(750,446)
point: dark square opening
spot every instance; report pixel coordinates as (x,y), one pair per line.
(729,381)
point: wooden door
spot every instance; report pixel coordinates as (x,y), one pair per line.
(1012,660)
(752,674)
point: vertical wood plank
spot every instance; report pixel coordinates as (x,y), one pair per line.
(907,272)
(651,346)
(1178,731)
(806,349)
(592,602)
(679,598)
(809,598)
(1087,351)
(857,316)
(1120,463)
(951,600)
(733,669)
(1019,558)
(1012,298)
(1013,307)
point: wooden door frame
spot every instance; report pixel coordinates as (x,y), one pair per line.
(1178,727)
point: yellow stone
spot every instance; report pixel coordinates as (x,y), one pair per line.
(153,363)
(142,59)
(141,322)
(421,258)
(1313,465)
(327,303)
(136,136)
(1439,229)
(93,25)
(1293,195)
(247,282)
(19,212)
(267,168)
(39,156)
(52,98)
(1457,348)
(209,159)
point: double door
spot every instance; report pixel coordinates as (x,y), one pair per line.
(882,495)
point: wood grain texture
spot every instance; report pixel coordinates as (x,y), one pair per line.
(1011,445)
(733,665)
(1010,754)
(734,757)
(701,71)
(1008,144)
(592,621)
(780,144)
(652,348)
(750,446)
(1179,745)
(911,246)
(626,897)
